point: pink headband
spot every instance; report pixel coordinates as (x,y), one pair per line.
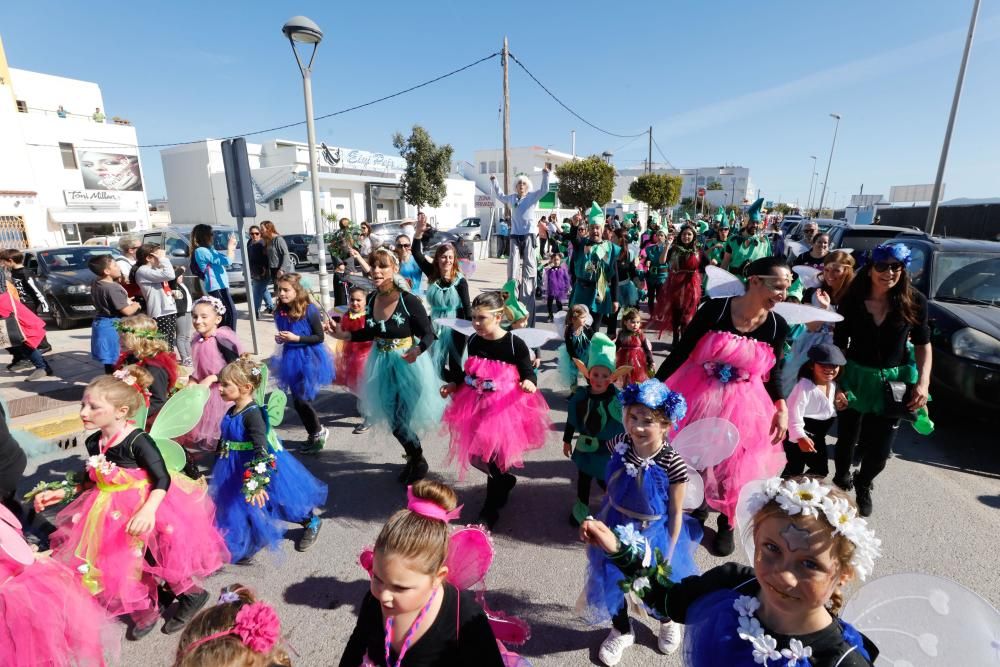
(428,509)
(257,626)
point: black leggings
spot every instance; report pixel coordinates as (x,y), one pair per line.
(583,481)
(812,463)
(307,413)
(876,434)
(402,432)
(558,302)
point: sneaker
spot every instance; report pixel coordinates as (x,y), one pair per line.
(187,362)
(39,373)
(863,496)
(613,647)
(363,427)
(669,639)
(21,365)
(187,607)
(310,534)
(316,442)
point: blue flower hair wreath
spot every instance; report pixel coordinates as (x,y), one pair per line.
(656,396)
(887,252)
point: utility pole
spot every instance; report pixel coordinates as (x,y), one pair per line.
(504,58)
(573,137)
(649,159)
(936,194)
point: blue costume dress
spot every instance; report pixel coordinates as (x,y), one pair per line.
(596,284)
(411,271)
(293,492)
(302,368)
(638,494)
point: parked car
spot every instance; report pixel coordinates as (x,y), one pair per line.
(176,241)
(298,247)
(109,241)
(861,238)
(65,280)
(469,229)
(961,279)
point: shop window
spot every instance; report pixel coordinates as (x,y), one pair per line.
(68,155)
(12,232)
(277,204)
(22,106)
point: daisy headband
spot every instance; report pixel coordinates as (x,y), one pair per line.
(257,626)
(214,302)
(810,498)
(429,509)
(656,396)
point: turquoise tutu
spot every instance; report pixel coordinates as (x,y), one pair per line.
(445,302)
(568,373)
(395,393)
(628,294)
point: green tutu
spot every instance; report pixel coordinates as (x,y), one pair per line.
(864,385)
(395,393)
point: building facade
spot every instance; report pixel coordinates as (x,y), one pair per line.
(736,186)
(67,172)
(355,184)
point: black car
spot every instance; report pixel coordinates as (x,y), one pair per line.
(861,239)
(961,279)
(298,247)
(65,280)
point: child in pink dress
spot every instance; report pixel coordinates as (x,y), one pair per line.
(212,348)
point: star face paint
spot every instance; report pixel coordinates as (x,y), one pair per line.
(796,539)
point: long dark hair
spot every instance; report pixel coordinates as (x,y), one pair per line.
(902,304)
(202,236)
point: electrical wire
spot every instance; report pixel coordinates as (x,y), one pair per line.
(301,122)
(564,106)
(660,151)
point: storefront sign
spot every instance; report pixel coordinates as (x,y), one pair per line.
(350,158)
(93,198)
(484,201)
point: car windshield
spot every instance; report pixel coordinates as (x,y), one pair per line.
(72,259)
(967,276)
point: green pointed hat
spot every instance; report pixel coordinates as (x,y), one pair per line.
(732,216)
(724,224)
(702,226)
(514,308)
(602,352)
(720,215)
(754,210)
(595,216)
(687,216)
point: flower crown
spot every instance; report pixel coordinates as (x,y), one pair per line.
(257,625)
(656,396)
(214,302)
(810,498)
(146,334)
(886,252)
(123,375)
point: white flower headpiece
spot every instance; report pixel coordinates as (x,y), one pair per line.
(810,498)
(214,302)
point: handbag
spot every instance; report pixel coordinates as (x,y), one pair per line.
(896,398)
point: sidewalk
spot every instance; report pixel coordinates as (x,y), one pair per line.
(49,408)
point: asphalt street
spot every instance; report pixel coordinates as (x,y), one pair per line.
(936,511)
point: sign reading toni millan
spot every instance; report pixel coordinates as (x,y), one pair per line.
(93,198)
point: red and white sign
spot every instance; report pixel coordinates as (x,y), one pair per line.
(701,192)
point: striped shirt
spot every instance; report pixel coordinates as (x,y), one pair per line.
(667,458)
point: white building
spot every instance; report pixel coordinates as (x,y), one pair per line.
(354,184)
(64,177)
(735,181)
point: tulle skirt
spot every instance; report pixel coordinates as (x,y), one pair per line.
(350,361)
(744,403)
(206,433)
(628,294)
(292,495)
(568,372)
(301,370)
(634,356)
(395,393)
(449,342)
(594,464)
(49,619)
(678,300)
(498,425)
(184,545)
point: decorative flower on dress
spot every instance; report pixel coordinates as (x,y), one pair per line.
(257,475)
(105,467)
(796,651)
(725,373)
(631,469)
(656,396)
(888,252)
(621,447)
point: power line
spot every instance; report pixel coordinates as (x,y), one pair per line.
(660,151)
(301,122)
(564,106)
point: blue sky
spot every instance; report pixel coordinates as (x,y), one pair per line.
(722,82)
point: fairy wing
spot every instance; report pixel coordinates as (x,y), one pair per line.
(535,338)
(694,490)
(722,283)
(921,619)
(808,276)
(259,394)
(463,327)
(706,442)
(276,402)
(177,417)
(797,247)
(470,554)
(559,320)
(800,313)
(467,267)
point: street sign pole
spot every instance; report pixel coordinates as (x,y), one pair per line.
(241,205)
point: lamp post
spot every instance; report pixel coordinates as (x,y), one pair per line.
(812,179)
(304,31)
(826,179)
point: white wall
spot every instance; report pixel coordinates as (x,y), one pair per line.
(187,174)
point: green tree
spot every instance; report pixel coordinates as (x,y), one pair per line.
(657,191)
(584,181)
(714,185)
(427,167)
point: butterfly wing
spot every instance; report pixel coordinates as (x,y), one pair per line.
(177,417)
(800,313)
(706,442)
(470,554)
(722,283)
(808,276)
(535,338)
(463,327)
(467,267)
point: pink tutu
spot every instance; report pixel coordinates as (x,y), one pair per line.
(208,360)
(499,423)
(742,400)
(184,545)
(49,619)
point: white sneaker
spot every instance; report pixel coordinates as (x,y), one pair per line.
(670,637)
(613,647)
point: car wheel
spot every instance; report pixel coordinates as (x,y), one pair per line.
(59,316)
(477,237)
(295,260)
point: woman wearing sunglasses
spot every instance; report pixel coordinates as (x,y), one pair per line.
(886,338)
(408,267)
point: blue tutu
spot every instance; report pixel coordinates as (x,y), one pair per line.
(711,637)
(301,370)
(648,494)
(293,494)
(396,393)
(104,344)
(628,294)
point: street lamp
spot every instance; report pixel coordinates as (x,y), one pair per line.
(304,31)
(826,179)
(812,178)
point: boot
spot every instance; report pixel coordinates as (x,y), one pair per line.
(863,496)
(843,481)
(724,544)
(490,512)
(505,484)
(700,514)
(188,605)
(415,469)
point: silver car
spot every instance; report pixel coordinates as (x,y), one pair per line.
(176,241)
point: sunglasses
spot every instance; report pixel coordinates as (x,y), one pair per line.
(254,233)
(882,267)
(404,245)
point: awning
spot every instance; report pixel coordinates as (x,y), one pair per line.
(85,215)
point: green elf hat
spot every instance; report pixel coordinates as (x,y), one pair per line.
(754,210)
(595,216)
(720,214)
(602,353)
(724,224)
(702,226)
(687,216)
(732,216)
(513,309)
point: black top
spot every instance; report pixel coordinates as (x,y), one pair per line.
(341,288)
(508,348)
(27,289)
(408,319)
(136,450)
(716,315)
(806,259)
(462,288)
(460,636)
(626,267)
(254,427)
(882,346)
(159,391)
(257,256)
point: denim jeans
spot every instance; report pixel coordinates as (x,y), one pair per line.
(261,293)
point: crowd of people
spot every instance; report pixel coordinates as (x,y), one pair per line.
(142,524)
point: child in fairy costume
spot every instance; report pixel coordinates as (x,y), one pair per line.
(646,481)
(576,336)
(142,345)
(595,413)
(802,535)
(213,347)
(351,357)
(633,349)
(256,483)
(496,413)
(137,522)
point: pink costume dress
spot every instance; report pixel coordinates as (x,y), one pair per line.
(490,418)
(731,376)
(184,546)
(630,350)
(46,616)
(351,357)
(210,356)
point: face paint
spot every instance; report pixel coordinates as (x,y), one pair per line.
(795,538)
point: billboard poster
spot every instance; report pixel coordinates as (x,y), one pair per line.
(110,171)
